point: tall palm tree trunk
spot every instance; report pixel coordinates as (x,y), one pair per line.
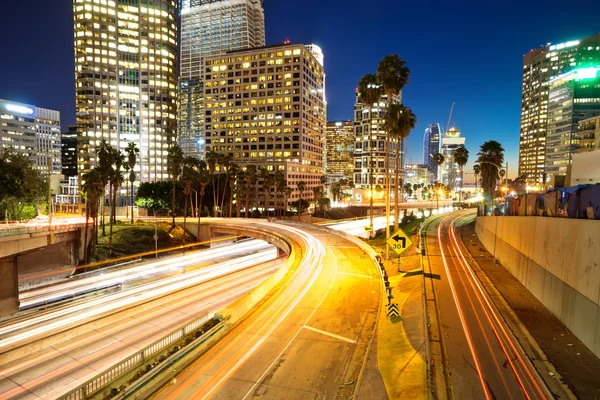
(185,212)
(85,235)
(173,202)
(246,205)
(131,192)
(397,191)
(114,195)
(214,188)
(371,173)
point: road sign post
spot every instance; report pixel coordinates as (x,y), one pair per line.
(399,242)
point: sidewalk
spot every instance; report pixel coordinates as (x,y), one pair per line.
(555,344)
(400,343)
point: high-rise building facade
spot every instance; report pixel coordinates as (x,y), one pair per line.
(340,151)
(33,131)
(126,80)
(589,134)
(573,97)
(539,67)
(449,173)
(266,107)
(210,27)
(431,147)
(68,151)
(370,142)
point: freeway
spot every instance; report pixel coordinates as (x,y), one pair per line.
(309,339)
(47,353)
(484,359)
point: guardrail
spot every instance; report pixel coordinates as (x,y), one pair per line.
(133,363)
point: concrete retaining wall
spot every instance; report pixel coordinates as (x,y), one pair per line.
(558,260)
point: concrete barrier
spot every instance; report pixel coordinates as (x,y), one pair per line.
(557,260)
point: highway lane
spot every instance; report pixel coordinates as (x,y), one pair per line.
(134,274)
(40,325)
(65,366)
(485,361)
(308,340)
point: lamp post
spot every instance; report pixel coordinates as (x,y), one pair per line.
(196,205)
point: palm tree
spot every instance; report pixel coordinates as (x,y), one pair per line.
(212,158)
(393,74)
(287,192)
(174,159)
(491,157)
(301,188)
(317,193)
(132,152)
(240,190)
(370,92)
(92,190)
(476,171)
(116,181)
(250,187)
(280,184)
(265,176)
(232,172)
(461,156)
(399,121)
(188,176)
(226,162)
(438,159)
(104,168)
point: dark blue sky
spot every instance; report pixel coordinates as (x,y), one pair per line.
(468,52)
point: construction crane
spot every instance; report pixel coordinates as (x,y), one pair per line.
(450,116)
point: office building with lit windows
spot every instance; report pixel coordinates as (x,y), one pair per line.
(540,66)
(266,107)
(573,97)
(449,173)
(33,131)
(340,151)
(126,80)
(68,151)
(210,27)
(370,142)
(431,147)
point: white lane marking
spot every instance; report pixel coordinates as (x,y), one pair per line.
(351,274)
(345,339)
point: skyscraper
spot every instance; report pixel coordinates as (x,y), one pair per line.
(431,147)
(266,107)
(210,27)
(340,149)
(126,80)
(448,173)
(573,97)
(68,151)
(33,131)
(370,137)
(539,67)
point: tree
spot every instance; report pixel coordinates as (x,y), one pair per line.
(399,121)
(393,74)
(188,176)
(212,159)
(116,181)
(226,162)
(91,188)
(174,159)
(476,171)
(438,159)
(317,194)
(250,188)
(280,184)
(232,173)
(105,154)
(23,187)
(267,182)
(301,188)
(156,195)
(370,92)
(490,158)
(132,152)
(461,156)
(288,192)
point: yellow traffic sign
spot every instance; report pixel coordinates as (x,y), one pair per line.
(399,241)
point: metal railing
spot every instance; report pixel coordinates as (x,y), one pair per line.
(133,362)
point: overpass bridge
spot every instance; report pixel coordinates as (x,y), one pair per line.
(36,253)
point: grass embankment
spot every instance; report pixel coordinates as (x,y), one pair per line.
(130,239)
(409,259)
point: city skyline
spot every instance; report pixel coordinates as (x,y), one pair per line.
(486,108)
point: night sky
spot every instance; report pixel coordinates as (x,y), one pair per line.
(468,52)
